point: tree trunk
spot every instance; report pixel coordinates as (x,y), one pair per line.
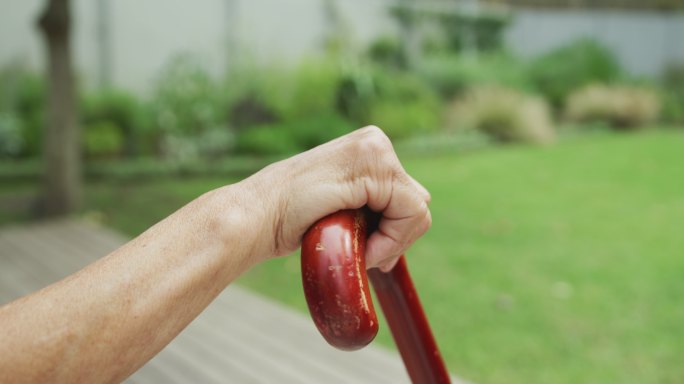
(62,179)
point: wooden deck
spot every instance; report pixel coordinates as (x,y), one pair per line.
(240,338)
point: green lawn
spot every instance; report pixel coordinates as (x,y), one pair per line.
(544,265)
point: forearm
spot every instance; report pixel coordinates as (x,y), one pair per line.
(104,322)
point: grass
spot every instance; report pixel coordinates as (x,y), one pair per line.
(547,265)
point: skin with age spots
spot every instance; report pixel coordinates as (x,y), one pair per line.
(104,322)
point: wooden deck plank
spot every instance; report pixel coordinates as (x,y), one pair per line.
(241,337)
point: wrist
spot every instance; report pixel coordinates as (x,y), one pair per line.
(242,217)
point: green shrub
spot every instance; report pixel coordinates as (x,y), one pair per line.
(506,115)
(292,136)
(11,140)
(268,84)
(313,89)
(564,69)
(22,102)
(401,121)
(451,75)
(103,139)
(620,106)
(266,140)
(387,52)
(403,106)
(355,93)
(286,92)
(187,103)
(673,107)
(673,94)
(123,112)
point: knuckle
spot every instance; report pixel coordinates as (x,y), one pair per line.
(375,140)
(372,147)
(428,221)
(424,219)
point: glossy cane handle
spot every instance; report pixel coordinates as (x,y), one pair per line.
(335,280)
(337,293)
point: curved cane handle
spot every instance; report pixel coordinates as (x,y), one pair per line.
(335,280)
(336,290)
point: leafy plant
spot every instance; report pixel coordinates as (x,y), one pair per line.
(559,72)
(386,51)
(404,106)
(11,140)
(452,74)
(120,111)
(22,95)
(103,139)
(187,104)
(673,93)
(292,136)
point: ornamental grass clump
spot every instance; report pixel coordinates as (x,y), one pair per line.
(622,107)
(503,114)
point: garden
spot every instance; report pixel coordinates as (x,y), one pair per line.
(557,184)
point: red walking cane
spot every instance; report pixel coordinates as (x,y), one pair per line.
(337,292)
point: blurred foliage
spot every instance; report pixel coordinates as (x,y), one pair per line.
(673,94)
(504,114)
(276,93)
(404,106)
(11,140)
(461,30)
(193,115)
(452,74)
(21,111)
(482,30)
(121,119)
(103,139)
(567,68)
(189,111)
(386,51)
(619,106)
(294,136)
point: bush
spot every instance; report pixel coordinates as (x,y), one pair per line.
(271,139)
(403,106)
(356,91)
(620,106)
(119,111)
(186,105)
(563,70)
(673,94)
(313,89)
(22,101)
(11,140)
(401,121)
(103,139)
(452,75)
(293,136)
(387,52)
(503,114)
(284,93)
